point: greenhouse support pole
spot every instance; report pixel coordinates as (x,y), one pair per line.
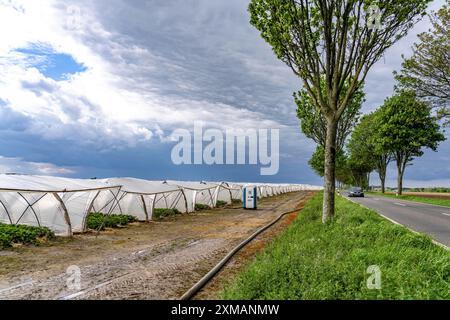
(145,209)
(66,213)
(185,200)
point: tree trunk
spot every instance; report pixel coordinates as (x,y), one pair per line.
(382,175)
(368,181)
(382,164)
(383,183)
(400,172)
(330,172)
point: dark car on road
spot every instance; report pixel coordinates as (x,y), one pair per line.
(356,193)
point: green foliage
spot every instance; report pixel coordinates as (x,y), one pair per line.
(313,261)
(100,221)
(162,213)
(21,234)
(221,204)
(332,40)
(314,123)
(317,163)
(427,72)
(406,127)
(365,151)
(200,207)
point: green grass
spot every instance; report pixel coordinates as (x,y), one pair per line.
(315,261)
(100,221)
(20,234)
(439,202)
(162,213)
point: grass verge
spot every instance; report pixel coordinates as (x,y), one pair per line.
(100,221)
(315,261)
(21,234)
(439,202)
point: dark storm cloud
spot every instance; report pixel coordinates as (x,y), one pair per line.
(205,53)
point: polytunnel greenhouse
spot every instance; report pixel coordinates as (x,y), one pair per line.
(60,204)
(63,204)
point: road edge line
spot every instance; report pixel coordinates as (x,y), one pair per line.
(412,201)
(399,224)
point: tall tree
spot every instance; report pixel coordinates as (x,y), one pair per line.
(364,147)
(406,127)
(314,123)
(341,39)
(427,72)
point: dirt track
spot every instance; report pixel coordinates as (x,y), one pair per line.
(160,260)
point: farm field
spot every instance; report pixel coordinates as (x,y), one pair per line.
(431,195)
(158,260)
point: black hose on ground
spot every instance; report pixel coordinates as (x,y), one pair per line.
(210,275)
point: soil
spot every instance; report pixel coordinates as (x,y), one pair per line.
(157,260)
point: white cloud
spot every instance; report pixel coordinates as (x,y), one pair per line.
(152,66)
(113,101)
(18,165)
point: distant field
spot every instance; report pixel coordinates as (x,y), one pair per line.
(431,195)
(440,199)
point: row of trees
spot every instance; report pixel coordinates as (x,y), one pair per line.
(398,131)
(331,46)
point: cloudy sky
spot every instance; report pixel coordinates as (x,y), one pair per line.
(95,88)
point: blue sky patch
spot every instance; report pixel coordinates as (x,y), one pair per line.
(57,66)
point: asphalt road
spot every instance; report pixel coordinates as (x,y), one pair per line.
(420,217)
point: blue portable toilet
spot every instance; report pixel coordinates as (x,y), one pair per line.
(250,197)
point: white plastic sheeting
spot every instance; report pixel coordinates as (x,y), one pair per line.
(62,204)
(140,197)
(205,193)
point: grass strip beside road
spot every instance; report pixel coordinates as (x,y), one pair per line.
(315,261)
(437,202)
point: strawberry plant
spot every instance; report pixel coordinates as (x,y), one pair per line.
(21,234)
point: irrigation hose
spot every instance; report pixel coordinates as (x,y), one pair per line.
(213,272)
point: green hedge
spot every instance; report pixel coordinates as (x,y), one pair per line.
(162,213)
(20,234)
(100,221)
